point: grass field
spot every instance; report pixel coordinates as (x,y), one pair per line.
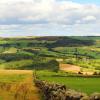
(86,85)
(17,85)
(65,55)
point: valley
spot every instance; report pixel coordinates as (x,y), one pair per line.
(70,61)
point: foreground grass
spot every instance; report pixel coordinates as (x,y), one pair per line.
(87,85)
(17,85)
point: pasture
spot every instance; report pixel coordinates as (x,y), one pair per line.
(82,84)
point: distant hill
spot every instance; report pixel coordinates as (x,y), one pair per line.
(52,41)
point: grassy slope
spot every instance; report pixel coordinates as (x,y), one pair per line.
(17,85)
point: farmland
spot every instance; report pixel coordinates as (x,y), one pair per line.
(82,84)
(26,53)
(17,85)
(72,61)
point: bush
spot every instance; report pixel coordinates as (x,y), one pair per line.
(52,65)
(96,73)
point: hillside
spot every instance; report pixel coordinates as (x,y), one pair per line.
(71,61)
(40,51)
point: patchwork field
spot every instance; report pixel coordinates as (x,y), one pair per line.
(65,60)
(17,85)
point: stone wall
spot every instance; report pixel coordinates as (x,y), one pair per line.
(60,92)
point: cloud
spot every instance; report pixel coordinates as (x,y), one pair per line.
(89,18)
(54,14)
(51,11)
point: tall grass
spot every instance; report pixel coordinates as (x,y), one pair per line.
(16,85)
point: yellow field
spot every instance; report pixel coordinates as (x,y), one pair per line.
(17,85)
(70,68)
(76,69)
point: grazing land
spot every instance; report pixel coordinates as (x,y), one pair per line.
(82,84)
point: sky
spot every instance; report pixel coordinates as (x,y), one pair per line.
(49,18)
(97,2)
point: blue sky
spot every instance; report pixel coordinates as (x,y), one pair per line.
(87,1)
(49,17)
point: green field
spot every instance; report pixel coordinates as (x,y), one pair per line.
(86,85)
(45,55)
(22,53)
